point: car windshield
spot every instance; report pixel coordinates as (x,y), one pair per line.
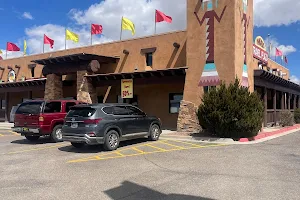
(81,112)
(30,108)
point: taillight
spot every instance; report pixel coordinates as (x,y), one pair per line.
(92,121)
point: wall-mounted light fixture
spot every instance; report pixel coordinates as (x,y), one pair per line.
(17,66)
(125,51)
(2,68)
(176,45)
(9,67)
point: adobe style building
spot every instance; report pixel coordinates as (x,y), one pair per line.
(165,75)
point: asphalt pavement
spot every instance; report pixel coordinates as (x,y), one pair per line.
(140,169)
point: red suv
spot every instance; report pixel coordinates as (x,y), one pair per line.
(36,118)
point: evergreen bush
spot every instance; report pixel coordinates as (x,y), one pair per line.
(286,118)
(297,116)
(231,112)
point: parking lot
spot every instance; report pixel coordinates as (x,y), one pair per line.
(140,169)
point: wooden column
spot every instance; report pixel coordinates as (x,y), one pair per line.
(29,95)
(6,107)
(282,101)
(265,93)
(274,106)
(294,101)
(289,101)
(298,103)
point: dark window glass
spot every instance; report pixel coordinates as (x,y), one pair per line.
(3,104)
(81,112)
(134,111)
(52,107)
(29,108)
(120,110)
(69,105)
(108,110)
(149,59)
(208,88)
(175,100)
(32,72)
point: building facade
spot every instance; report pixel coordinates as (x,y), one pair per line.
(165,75)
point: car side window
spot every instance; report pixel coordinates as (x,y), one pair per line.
(134,111)
(69,105)
(52,107)
(120,110)
(108,110)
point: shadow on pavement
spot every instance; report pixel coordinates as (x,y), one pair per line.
(129,190)
(99,148)
(42,140)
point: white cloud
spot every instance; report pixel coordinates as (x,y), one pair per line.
(276,12)
(286,49)
(27,15)
(295,79)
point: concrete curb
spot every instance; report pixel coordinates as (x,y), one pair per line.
(262,137)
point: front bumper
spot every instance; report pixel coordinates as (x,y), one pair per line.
(27,132)
(82,138)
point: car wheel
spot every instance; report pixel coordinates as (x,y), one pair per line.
(56,135)
(154,132)
(77,145)
(32,137)
(112,140)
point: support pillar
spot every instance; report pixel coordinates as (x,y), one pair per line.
(29,95)
(289,101)
(294,101)
(282,101)
(6,107)
(54,87)
(265,106)
(298,102)
(274,106)
(86,92)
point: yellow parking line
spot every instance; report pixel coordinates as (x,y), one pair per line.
(120,154)
(1,135)
(138,150)
(178,147)
(189,143)
(14,133)
(149,145)
(36,149)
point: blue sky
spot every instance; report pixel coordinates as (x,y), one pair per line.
(30,19)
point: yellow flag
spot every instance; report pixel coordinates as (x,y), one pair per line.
(72,36)
(128,25)
(25,47)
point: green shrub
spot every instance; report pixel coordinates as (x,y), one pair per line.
(297,116)
(286,118)
(231,112)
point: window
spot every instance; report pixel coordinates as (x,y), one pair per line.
(52,107)
(134,111)
(149,59)
(174,104)
(30,108)
(108,110)
(3,104)
(81,112)
(32,72)
(69,105)
(120,110)
(208,88)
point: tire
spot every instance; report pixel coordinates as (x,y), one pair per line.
(154,132)
(32,138)
(77,145)
(56,135)
(112,140)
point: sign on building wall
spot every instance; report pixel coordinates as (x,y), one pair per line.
(127,88)
(11,76)
(259,50)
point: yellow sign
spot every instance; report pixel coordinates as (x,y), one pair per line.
(127,88)
(259,41)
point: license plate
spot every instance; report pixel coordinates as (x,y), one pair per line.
(74,125)
(26,129)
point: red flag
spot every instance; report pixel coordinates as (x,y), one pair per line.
(159,17)
(285,60)
(1,58)
(12,47)
(48,41)
(96,29)
(278,52)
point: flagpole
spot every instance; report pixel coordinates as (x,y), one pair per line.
(91,36)
(155,23)
(6,51)
(121,28)
(44,44)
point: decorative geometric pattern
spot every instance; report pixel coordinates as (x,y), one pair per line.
(244,32)
(210,76)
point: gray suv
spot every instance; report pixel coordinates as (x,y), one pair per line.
(108,124)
